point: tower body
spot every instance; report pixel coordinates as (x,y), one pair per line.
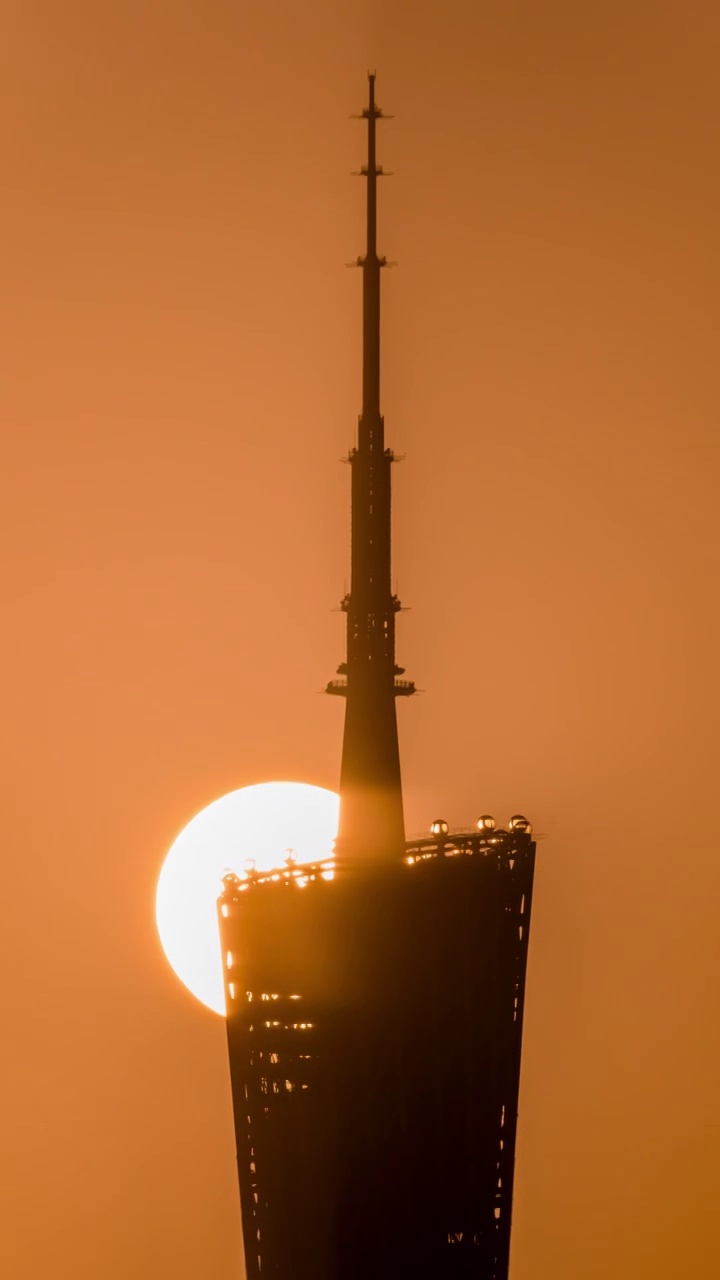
(374,1026)
(374,1002)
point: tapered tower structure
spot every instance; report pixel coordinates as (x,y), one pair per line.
(371,808)
(375,1000)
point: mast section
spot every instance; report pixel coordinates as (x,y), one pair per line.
(371,265)
(371,811)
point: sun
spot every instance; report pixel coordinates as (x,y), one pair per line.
(261,822)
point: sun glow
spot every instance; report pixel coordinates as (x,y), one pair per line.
(255,826)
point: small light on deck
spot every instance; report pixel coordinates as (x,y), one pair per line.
(519,822)
(439,827)
(486,822)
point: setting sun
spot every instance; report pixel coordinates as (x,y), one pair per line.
(262,823)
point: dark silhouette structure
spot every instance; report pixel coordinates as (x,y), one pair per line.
(371,816)
(375,1000)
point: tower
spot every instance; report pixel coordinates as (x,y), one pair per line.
(375,1000)
(371,808)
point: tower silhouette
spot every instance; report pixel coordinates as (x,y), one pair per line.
(371,808)
(375,999)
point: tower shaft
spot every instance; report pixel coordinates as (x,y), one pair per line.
(371,809)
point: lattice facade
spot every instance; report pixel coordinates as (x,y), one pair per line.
(374,1029)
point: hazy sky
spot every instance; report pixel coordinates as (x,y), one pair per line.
(180,374)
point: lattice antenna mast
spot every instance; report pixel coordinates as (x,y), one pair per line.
(371,813)
(371,265)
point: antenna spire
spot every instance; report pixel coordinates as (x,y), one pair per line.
(371,807)
(371,265)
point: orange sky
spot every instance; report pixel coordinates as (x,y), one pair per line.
(180,375)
